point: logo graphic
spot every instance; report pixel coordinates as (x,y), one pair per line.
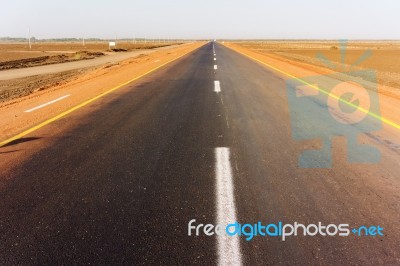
(344,103)
(281,230)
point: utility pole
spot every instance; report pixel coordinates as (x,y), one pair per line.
(29,39)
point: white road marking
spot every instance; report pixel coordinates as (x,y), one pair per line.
(228,246)
(45,104)
(217,86)
(215,59)
(215,67)
(157,61)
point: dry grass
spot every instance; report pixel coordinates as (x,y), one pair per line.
(385,58)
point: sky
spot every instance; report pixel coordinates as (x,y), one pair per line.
(205,19)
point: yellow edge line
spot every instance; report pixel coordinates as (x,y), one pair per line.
(372,114)
(48,121)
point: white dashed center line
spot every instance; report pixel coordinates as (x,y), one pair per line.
(228,246)
(45,104)
(215,67)
(217,86)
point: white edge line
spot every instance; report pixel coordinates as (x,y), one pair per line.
(45,104)
(228,246)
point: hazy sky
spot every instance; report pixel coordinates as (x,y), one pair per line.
(276,19)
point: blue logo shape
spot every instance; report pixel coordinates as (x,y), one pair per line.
(339,104)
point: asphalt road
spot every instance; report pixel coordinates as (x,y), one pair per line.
(117,182)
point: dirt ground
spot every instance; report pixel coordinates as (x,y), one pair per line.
(384,57)
(18,55)
(48,59)
(16,88)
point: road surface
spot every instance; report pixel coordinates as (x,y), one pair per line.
(118,181)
